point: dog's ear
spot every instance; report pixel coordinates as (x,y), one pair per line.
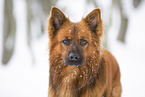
(93,19)
(57,18)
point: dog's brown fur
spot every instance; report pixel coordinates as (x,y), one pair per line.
(98,76)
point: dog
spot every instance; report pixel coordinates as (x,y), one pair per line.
(79,65)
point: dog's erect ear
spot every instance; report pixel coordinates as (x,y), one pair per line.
(93,19)
(57,18)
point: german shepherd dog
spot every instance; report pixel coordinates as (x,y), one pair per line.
(79,66)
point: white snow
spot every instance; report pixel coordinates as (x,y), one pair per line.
(1,26)
(69,31)
(131,56)
(21,77)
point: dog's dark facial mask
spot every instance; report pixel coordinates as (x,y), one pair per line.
(74,55)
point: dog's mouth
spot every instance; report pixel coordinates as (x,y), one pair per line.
(75,62)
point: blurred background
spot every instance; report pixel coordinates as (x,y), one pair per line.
(24,65)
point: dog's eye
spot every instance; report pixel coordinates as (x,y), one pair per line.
(83,42)
(66,41)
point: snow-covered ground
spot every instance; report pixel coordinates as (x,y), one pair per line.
(131,56)
(23,78)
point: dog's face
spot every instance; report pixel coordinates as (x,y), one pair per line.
(73,45)
(75,40)
(74,48)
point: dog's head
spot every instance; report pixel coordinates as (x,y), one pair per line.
(74,48)
(74,41)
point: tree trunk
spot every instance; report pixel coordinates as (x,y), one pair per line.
(124,21)
(136,3)
(9,31)
(123,29)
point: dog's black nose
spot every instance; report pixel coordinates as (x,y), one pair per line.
(74,56)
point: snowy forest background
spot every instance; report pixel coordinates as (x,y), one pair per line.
(24,66)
